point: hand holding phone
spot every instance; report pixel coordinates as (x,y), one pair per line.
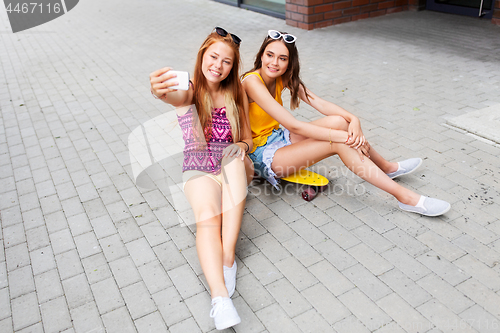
(182,79)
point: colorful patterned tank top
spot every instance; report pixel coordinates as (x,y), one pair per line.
(205,155)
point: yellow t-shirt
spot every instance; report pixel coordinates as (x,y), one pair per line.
(261,123)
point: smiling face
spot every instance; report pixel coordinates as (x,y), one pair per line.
(217,62)
(275,59)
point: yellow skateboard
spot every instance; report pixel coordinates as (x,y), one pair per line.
(316,182)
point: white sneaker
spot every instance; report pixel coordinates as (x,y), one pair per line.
(406,167)
(224,313)
(427,206)
(230,278)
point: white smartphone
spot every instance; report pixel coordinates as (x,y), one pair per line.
(182,78)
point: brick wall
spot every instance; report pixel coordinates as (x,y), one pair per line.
(312,14)
(496,13)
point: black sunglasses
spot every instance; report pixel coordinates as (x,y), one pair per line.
(222,32)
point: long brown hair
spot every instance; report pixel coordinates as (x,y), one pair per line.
(291,77)
(230,87)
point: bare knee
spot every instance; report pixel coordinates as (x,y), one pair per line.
(338,122)
(207,214)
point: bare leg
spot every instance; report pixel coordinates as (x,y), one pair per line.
(302,154)
(204,195)
(339,123)
(249,169)
(234,192)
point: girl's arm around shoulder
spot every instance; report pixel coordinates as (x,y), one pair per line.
(161,88)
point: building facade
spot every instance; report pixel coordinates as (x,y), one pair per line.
(314,14)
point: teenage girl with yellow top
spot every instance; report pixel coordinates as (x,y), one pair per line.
(278,152)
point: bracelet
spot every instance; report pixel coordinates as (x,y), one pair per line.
(248,147)
(154,95)
(330,138)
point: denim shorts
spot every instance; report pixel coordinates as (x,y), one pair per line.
(263,156)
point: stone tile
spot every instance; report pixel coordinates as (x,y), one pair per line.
(441,316)
(48,286)
(86,318)
(37,238)
(375,263)
(443,268)
(480,294)
(311,321)
(107,295)
(326,304)
(170,304)
(151,323)
(124,271)
(188,325)
(271,248)
(17,256)
(405,287)
(478,250)
(288,297)
(445,293)
(61,241)
(373,239)
(154,276)
(249,321)
(118,321)
(281,231)
(55,315)
(339,235)
(308,231)
(21,281)
(68,264)
(140,251)
(185,281)
(364,309)
(406,264)
(253,292)
(77,291)
(305,253)
(25,311)
(441,245)
(276,320)
(169,255)
(96,268)
(366,282)
(405,315)
(5,310)
(479,319)
(199,306)
(406,242)
(262,268)
(113,247)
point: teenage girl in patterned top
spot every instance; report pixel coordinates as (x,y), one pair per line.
(280,152)
(213,116)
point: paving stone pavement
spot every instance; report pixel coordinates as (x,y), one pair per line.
(84,249)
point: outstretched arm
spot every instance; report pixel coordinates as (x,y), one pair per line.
(161,88)
(257,91)
(356,137)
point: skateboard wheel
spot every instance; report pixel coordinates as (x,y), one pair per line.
(321,188)
(309,194)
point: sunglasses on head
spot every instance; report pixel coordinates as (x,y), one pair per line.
(222,32)
(275,34)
